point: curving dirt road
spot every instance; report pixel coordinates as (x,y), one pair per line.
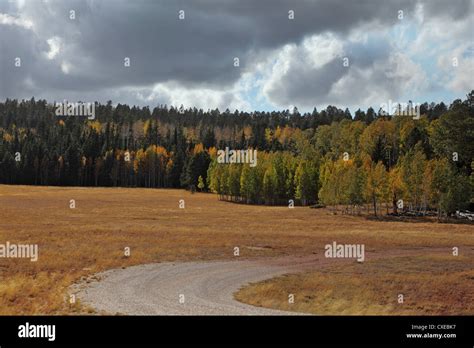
(206,287)
(158,289)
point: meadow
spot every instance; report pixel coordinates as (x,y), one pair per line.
(412,257)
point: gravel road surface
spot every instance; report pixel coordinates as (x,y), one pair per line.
(207,288)
(159,289)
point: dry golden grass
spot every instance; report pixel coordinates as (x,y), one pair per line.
(74,243)
(430,285)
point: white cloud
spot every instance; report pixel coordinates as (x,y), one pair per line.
(11,20)
(65,67)
(172,93)
(312,73)
(54,47)
(457,68)
(462,80)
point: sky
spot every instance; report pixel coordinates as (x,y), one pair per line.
(238,54)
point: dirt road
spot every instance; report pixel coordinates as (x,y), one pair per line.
(188,288)
(199,288)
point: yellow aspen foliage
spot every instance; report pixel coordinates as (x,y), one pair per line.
(198,148)
(212,152)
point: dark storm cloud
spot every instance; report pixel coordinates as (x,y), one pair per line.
(302,80)
(458,9)
(312,85)
(196,51)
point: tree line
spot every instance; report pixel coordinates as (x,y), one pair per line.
(326,157)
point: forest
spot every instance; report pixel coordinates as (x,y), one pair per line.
(369,160)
